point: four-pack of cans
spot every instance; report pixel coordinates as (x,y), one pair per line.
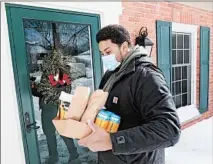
(108,121)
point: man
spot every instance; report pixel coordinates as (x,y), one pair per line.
(139,94)
(54,80)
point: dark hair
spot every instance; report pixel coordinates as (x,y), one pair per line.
(116,33)
(140,40)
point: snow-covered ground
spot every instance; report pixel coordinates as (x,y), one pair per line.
(195,145)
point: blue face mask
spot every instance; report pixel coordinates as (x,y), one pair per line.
(109,62)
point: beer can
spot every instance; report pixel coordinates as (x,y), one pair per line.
(114,123)
(102,119)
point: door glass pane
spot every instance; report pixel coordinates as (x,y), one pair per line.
(73,44)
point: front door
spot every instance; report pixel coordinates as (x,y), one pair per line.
(34,34)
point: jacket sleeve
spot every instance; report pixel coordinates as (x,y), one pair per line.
(162,127)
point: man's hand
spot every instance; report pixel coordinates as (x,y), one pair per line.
(98,140)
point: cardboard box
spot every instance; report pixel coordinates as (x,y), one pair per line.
(72,125)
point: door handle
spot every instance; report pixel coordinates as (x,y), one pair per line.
(28,125)
(33,126)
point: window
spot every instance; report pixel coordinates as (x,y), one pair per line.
(183,64)
(181,68)
(177,58)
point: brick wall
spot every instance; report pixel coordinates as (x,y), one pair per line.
(138,14)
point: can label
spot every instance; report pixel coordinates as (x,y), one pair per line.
(113,123)
(102,120)
(108,121)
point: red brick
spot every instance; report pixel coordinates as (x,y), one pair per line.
(150,6)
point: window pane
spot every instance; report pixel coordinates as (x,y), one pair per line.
(178,87)
(174,41)
(173,74)
(184,86)
(173,56)
(186,41)
(179,41)
(179,56)
(173,88)
(184,72)
(186,56)
(184,99)
(178,101)
(178,73)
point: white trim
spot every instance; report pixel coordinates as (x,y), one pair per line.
(102,8)
(192,29)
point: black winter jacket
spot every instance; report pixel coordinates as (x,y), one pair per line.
(149,122)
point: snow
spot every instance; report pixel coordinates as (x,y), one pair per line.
(195,145)
(82,82)
(85,53)
(89,73)
(37,75)
(86,59)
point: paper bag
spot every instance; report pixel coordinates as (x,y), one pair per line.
(79,103)
(69,125)
(96,103)
(71,128)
